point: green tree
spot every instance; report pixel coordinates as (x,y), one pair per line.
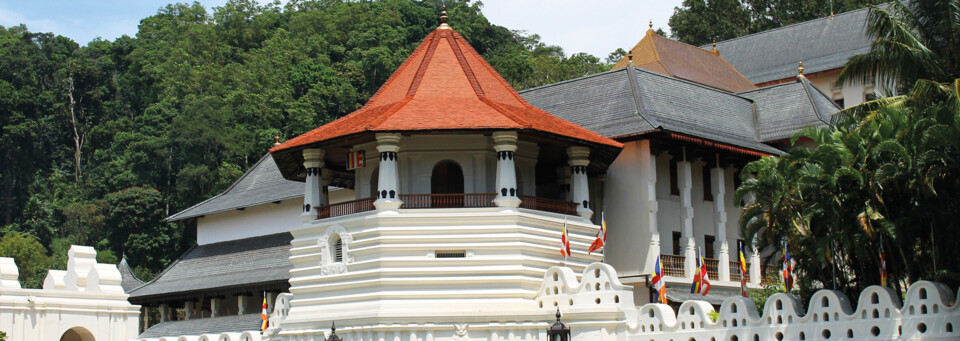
(911,41)
(30,256)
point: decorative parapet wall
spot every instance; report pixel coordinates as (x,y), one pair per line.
(930,312)
(85,302)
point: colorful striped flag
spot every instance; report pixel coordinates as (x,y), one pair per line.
(356,160)
(743,273)
(263,313)
(787,269)
(601,236)
(697,279)
(565,241)
(705,277)
(657,282)
(883,266)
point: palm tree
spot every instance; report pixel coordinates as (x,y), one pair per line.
(914,40)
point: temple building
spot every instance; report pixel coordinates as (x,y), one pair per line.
(444,199)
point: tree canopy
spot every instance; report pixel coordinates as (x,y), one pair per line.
(100,142)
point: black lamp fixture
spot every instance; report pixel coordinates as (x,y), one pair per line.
(558,331)
(333,332)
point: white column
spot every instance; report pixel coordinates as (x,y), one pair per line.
(242,302)
(578,159)
(756,270)
(188,308)
(505,143)
(648,176)
(720,218)
(271,298)
(164,312)
(685,182)
(313,162)
(388,196)
(215,306)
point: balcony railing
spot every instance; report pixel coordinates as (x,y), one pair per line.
(458,200)
(346,207)
(713,266)
(735,271)
(549,205)
(672,265)
(447,200)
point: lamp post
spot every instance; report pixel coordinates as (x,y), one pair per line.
(558,331)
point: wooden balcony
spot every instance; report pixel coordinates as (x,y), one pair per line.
(447,200)
(672,265)
(549,205)
(735,271)
(464,200)
(713,268)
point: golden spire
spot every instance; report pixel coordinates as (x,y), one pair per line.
(630,58)
(651,24)
(715,52)
(443,19)
(800,69)
(276,139)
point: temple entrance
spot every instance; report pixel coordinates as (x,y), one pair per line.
(77,334)
(447,178)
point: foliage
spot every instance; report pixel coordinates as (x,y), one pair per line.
(700,22)
(98,143)
(29,255)
(911,41)
(887,173)
(772,284)
(3,336)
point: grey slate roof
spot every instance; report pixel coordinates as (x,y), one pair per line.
(259,185)
(785,108)
(822,44)
(631,101)
(128,280)
(214,325)
(256,261)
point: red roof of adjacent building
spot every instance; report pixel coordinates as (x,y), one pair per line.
(445,85)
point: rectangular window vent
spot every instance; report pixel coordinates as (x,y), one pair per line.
(451,254)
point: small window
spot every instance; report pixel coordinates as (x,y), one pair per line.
(839,102)
(338,250)
(708,250)
(676,243)
(674,185)
(707,184)
(451,254)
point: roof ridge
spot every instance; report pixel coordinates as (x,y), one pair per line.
(232,186)
(155,278)
(421,70)
(598,74)
(467,70)
(734,94)
(797,24)
(638,97)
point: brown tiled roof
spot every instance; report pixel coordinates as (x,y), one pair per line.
(445,85)
(680,60)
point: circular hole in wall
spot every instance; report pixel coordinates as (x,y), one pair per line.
(825,333)
(922,328)
(779,336)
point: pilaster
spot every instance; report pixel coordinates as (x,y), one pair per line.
(685,182)
(505,144)
(312,194)
(388,194)
(720,220)
(578,159)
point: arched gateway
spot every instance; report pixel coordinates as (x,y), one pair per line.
(77,334)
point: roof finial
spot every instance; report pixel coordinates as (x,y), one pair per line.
(630,58)
(651,24)
(276,139)
(715,52)
(443,18)
(800,69)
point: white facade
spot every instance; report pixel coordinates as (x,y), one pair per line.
(83,303)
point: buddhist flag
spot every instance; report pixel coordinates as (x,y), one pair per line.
(743,273)
(704,277)
(601,236)
(263,313)
(697,279)
(787,269)
(883,266)
(355,160)
(565,241)
(657,282)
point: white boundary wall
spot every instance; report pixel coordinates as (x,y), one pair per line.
(86,301)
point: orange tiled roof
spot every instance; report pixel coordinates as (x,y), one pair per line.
(445,85)
(684,61)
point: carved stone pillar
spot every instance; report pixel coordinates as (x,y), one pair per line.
(578,159)
(685,177)
(505,143)
(313,162)
(388,196)
(720,219)
(648,178)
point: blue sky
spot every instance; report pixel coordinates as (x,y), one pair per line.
(594,26)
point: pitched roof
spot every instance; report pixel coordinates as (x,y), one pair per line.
(444,86)
(261,184)
(237,264)
(128,280)
(821,44)
(632,101)
(785,108)
(673,58)
(214,325)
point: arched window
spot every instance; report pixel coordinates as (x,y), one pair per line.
(336,249)
(447,178)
